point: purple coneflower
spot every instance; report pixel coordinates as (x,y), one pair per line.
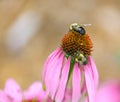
(109,92)
(13,93)
(73,57)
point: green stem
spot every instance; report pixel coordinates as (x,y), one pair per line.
(72,62)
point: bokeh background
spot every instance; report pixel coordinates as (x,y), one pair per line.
(31,29)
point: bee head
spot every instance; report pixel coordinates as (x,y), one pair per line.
(77,28)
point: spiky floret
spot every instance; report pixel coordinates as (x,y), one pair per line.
(74,42)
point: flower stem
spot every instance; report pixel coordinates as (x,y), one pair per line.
(72,62)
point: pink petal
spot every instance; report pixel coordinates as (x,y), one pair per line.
(50,58)
(83,89)
(83,92)
(68,95)
(94,70)
(91,88)
(76,90)
(35,91)
(63,81)
(55,75)
(13,90)
(52,66)
(3,97)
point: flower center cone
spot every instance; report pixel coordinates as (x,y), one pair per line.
(74,42)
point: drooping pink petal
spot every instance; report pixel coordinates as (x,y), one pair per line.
(109,92)
(50,67)
(3,97)
(94,70)
(53,64)
(83,89)
(13,90)
(90,85)
(50,57)
(68,95)
(55,75)
(83,92)
(63,81)
(35,91)
(76,89)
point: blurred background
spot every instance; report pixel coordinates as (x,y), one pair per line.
(31,29)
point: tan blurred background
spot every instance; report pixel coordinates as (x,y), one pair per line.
(31,29)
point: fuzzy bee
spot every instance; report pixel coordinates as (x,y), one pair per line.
(77,28)
(80,58)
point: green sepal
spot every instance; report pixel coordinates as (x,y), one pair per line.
(66,55)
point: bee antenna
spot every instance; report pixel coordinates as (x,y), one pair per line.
(86,25)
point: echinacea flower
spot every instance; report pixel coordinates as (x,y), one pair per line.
(36,93)
(73,57)
(13,93)
(109,92)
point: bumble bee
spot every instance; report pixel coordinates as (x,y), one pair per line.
(77,28)
(80,58)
